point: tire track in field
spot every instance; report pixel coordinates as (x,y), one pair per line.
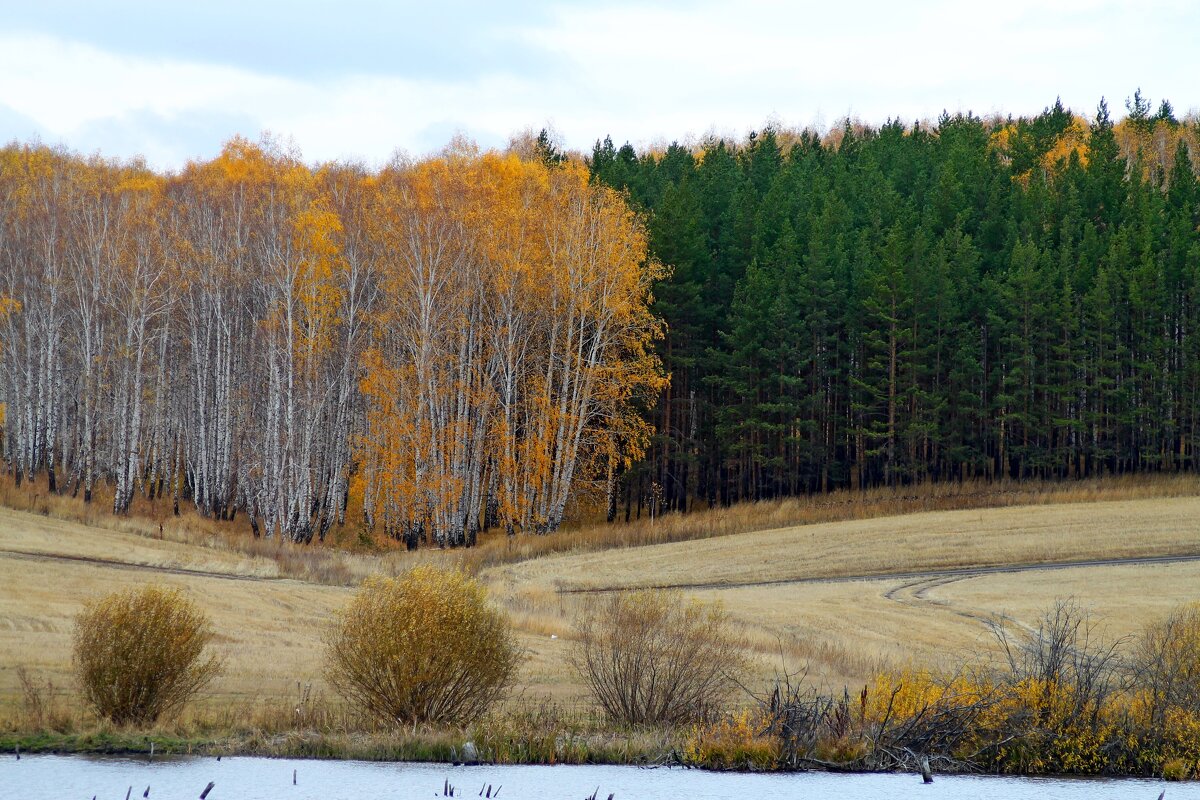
(917,594)
(916,587)
(914,576)
(130,565)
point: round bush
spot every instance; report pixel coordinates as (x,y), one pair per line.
(425,647)
(650,657)
(140,653)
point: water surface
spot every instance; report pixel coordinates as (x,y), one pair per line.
(110,778)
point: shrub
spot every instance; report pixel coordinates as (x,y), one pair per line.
(425,647)
(651,658)
(1165,665)
(741,740)
(140,653)
(39,702)
(1068,672)
(1177,769)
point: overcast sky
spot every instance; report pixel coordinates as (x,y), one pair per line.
(359,79)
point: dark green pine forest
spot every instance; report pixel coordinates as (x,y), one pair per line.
(972,299)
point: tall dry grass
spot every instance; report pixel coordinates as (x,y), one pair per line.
(835,506)
(40,708)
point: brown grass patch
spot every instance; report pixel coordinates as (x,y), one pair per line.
(43,522)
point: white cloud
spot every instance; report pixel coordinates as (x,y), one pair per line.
(84,96)
(640,72)
(65,85)
(716,63)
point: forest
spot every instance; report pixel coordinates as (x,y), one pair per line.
(498,340)
(441,345)
(883,306)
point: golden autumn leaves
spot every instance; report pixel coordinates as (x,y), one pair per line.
(440,345)
(511,339)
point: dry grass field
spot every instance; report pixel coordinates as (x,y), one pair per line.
(924,541)
(789,587)
(837,506)
(840,599)
(268,628)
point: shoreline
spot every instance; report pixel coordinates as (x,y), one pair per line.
(403,748)
(437,747)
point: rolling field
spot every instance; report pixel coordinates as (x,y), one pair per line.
(844,599)
(265,625)
(839,599)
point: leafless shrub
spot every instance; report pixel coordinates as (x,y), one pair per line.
(650,657)
(1165,665)
(140,653)
(801,719)
(1063,672)
(425,647)
(38,704)
(937,730)
(1063,657)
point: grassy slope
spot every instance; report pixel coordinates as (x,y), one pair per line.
(943,539)
(270,628)
(843,630)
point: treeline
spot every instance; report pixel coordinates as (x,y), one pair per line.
(466,342)
(439,346)
(879,306)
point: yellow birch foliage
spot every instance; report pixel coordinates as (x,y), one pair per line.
(458,343)
(510,347)
(1074,140)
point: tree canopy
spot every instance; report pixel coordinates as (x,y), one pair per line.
(886,305)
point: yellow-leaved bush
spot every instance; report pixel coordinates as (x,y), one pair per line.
(740,740)
(141,653)
(424,647)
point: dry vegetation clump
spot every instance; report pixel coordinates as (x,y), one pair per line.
(650,657)
(1166,665)
(40,709)
(425,647)
(141,653)
(743,739)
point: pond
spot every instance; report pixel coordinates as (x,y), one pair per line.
(111,778)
